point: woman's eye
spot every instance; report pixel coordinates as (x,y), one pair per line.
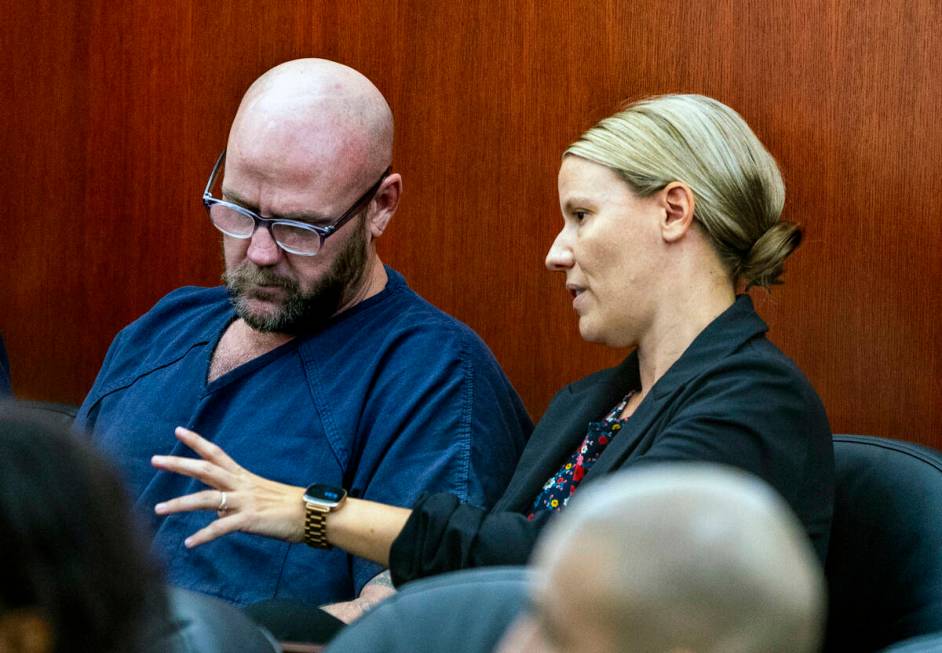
(579,216)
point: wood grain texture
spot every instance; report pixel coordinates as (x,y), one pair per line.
(117,111)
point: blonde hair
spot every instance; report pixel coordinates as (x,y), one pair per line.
(738,189)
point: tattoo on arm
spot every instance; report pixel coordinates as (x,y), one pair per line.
(383,579)
(375,590)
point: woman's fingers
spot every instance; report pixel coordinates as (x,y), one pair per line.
(228,522)
(205,500)
(217,528)
(202,470)
(244,501)
(206,449)
(275,510)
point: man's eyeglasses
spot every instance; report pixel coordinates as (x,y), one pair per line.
(292,236)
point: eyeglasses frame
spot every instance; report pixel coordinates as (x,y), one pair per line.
(323,232)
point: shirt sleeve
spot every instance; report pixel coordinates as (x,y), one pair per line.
(442,418)
(442,534)
(87,414)
(761,416)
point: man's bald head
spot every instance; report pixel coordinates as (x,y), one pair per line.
(314,117)
(308,148)
(684,557)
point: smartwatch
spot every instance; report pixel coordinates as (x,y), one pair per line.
(319,500)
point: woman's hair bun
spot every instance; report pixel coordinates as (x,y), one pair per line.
(762,265)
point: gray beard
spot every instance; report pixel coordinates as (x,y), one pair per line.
(300,313)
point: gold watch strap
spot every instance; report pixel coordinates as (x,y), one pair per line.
(315,526)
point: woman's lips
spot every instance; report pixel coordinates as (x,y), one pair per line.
(576,292)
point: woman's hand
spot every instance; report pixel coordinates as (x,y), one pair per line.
(243,501)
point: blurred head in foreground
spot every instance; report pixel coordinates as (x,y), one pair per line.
(74,576)
(675,558)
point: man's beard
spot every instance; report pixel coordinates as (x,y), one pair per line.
(300,312)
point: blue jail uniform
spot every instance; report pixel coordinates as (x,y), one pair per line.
(391,399)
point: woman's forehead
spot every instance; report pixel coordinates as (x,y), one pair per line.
(582,180)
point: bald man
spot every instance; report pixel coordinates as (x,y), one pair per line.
(314,363)
(679,558)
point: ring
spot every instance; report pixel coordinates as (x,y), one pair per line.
(223,502)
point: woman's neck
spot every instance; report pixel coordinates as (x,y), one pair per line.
(678,324)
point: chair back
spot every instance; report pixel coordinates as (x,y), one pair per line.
(459,612)
(884,564)
(196,623)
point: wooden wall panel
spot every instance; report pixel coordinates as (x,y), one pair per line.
(117,111)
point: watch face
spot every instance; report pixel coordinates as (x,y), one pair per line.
(325,494)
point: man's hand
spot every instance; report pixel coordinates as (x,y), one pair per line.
(379,588)
(244,501)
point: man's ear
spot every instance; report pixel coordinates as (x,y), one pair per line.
(386,202)
(678,204)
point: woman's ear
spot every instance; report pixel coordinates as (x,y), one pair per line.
(387,201)
(678,204)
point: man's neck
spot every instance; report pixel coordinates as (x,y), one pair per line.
(372,283)
(240,344)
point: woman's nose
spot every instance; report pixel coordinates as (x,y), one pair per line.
(559,257)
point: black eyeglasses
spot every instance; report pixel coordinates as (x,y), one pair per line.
(292,236)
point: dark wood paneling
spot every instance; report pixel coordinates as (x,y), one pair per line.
(119,108)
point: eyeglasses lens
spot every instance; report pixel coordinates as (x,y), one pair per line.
(295,240)
(231,222)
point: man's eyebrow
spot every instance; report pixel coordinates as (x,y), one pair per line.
(298,216)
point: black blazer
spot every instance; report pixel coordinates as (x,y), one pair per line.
(731,398)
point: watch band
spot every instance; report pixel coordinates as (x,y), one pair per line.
(319,501)
(315,526)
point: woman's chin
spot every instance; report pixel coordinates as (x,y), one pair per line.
(591,333)
(597,334)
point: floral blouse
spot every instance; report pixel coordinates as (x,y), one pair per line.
(562,485)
